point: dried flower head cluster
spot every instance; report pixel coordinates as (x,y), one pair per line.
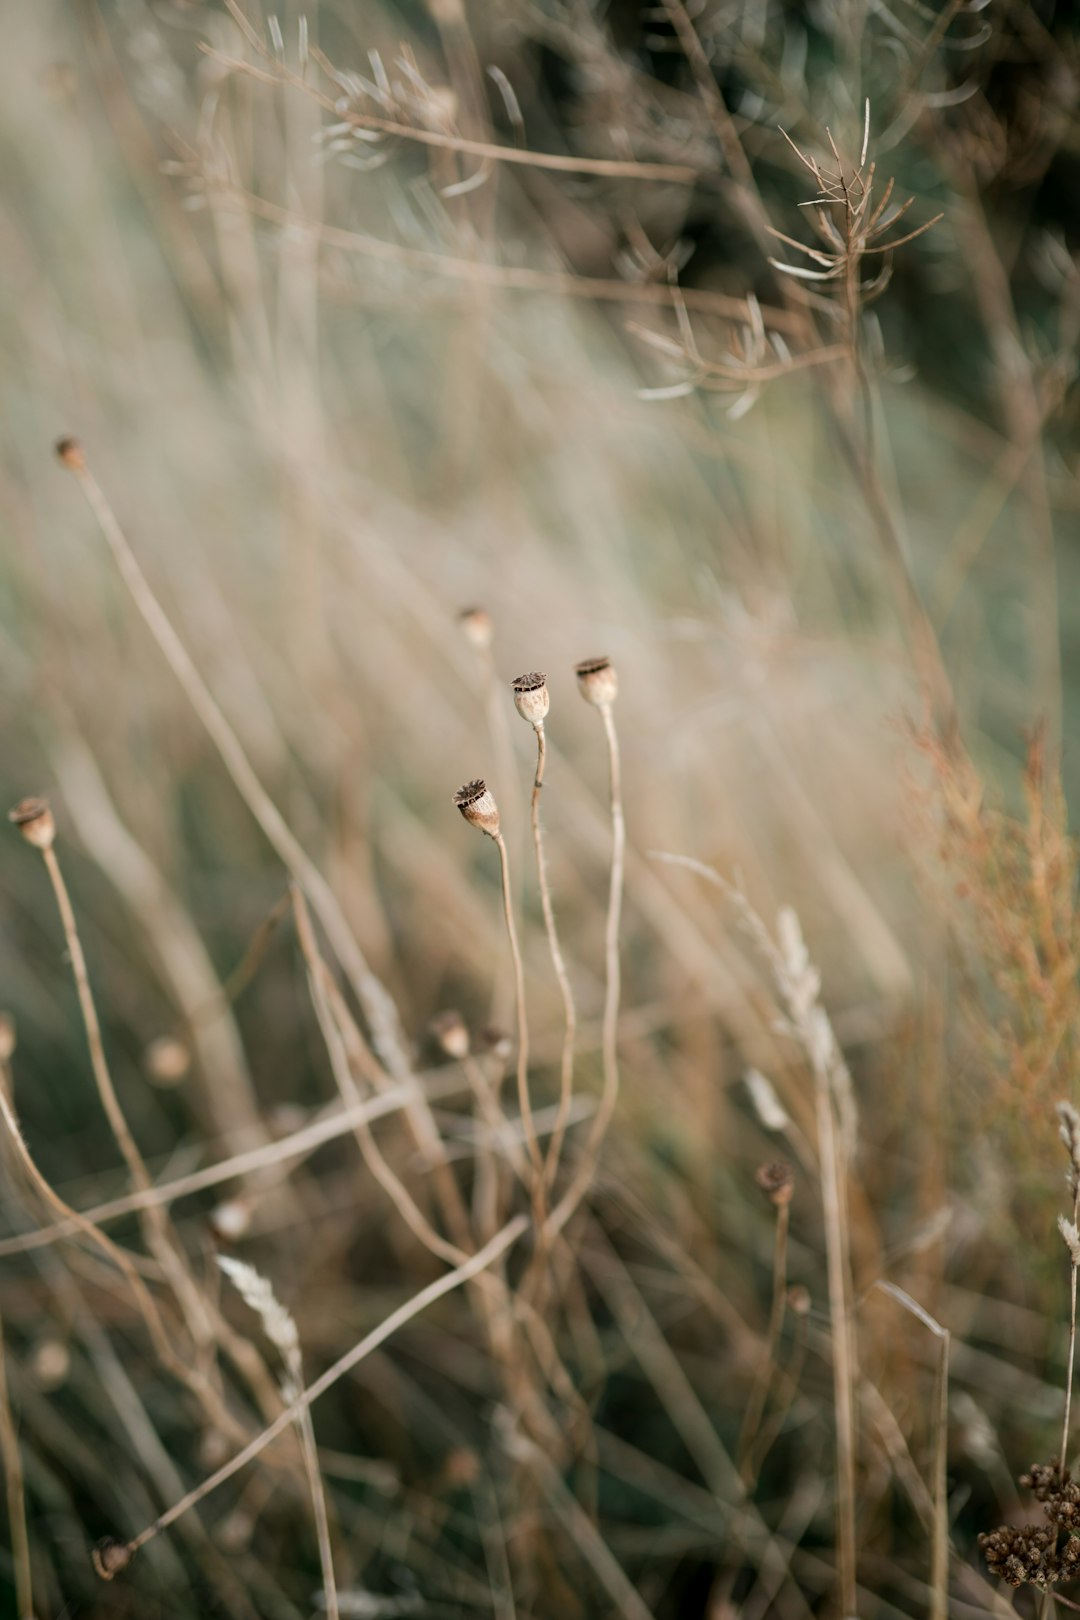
(35,821)
(1035,1554)
(477,804)
(1070,1135)
(531,697)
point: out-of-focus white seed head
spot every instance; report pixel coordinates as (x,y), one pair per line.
(50,1363)
(598,681)
(477,804)
(532,697)
(477,626)
(231,1219)
(35,821)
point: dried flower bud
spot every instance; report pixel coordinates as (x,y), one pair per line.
(35,821)
(798,1299)
(166,1060)
(777,1181)
(451,1034)
(598,681)
(71,453)
(532,697)
(498,1042)
(476,623)
(477,805)
(110,1556)
(7,1037)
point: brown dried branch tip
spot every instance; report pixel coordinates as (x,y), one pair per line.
(1035,1553)
(598,681)
(477,804)
(532,697)
(72,454)
(777,1181)
(110,1556)
(35,821)
(477,626)
(451,1034)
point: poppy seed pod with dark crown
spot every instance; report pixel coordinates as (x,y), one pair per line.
(532,697)
(477,804)
(598,681)
(35,821)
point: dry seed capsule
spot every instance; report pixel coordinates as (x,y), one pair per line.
(476,623)
(532,697)
(477,804)
(598,681)
(35,821)
(777,1181)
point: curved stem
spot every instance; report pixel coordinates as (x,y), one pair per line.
(566,1066)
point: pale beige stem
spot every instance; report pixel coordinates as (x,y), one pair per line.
(16,1496)
(524,1102)
(830,1152)
(609,1040)
(566,1066)
(472,1267)
(306,1430)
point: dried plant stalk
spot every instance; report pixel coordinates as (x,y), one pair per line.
(16,1496)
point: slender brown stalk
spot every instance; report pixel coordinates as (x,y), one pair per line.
(472,1267)
(609,1038)
(755,1406)
(16,1496)
(558,962)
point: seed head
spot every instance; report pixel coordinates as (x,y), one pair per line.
(598,681)
(476,623)
(477,804)
(166,1060)
(777,1181)
(451,1034)
(110,1556)
(532,697)
(798,1298)
(72,454)
(35,821)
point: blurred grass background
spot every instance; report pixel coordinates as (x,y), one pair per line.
(323,449)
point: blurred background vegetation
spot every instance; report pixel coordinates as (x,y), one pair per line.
(344,371)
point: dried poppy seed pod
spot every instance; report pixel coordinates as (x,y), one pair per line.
(598,681)
(532,697)
(476,623)
(451,1034)
(71,453)
(777,1181)
(110,1556)
(35,821)
(477,805)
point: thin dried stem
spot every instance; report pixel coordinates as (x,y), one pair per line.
(755,1407)
(524,1101)
(566,1064)
(609,1038)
